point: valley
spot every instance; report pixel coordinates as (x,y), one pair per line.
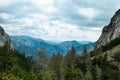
(59,40)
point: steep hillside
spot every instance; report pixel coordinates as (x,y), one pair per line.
(3,37)
(23,48)
(111,31)
(106,53)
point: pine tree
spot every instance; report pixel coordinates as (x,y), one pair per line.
(86,60)
(6,57)
(97,73)
(88,75)
(54,67)
(72,72)
(85,54)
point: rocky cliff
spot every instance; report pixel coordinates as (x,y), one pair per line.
(111,31)
(3,37)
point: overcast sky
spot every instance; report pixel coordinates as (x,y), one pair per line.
(57,20)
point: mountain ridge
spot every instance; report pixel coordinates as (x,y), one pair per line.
(37,44)
(111,31)
(4,37)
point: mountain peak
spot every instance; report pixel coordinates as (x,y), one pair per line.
(3,37)
(74,41)
(1,31)
(111,31)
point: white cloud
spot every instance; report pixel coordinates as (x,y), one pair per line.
(56,19)
(6,16)
(6,2)
(55,22)
(63,32)
(89,13)
(42,2)
(47,6)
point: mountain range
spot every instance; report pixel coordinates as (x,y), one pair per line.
(29,45)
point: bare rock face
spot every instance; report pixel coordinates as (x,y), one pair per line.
(3,37)
(111,31)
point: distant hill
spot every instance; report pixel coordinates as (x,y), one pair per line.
(29,45)
(78,45)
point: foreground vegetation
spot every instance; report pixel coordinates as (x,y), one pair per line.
(97,65)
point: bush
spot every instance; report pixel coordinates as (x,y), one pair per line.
(6,76)
(117,56)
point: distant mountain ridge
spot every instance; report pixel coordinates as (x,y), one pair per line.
(29,45)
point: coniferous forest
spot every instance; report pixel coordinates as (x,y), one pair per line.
(99,64)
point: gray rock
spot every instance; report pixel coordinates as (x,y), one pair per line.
(3,37)
(111,31)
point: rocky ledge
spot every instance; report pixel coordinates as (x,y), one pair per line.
(3,37)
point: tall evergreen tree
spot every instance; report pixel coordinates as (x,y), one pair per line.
(86,60)
(85,54)
(6,57)
(97,73)
(88,75)
(70,67)
(54,66)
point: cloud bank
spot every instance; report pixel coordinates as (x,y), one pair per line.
(57,20)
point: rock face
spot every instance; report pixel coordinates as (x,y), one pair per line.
(111,31)
(3,37)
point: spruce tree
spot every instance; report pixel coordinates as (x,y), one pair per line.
(55,66)
(97,73)
(86,60)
